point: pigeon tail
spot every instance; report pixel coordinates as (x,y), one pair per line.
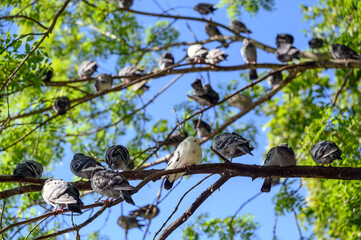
(253,74)
(74,208)
(168,184)
(267,184)
(126,196)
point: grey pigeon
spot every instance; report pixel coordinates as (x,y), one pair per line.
(83,166)
(213,32)
(281,156)
(231,145)
(249,54)
(283,38)
(125,4)
(174,139)
(240,101)
(340,51)
(188,152)
(325,152)
(275,78)
(315,43)
(87,68)
(59,193)
(286,52)
(215,56)
(117,157)
(204,8)
(61,105)
(196,53)
(166,60)
(239,27)
(203,130)
(129,222)
(203,94)
(131,71)
(112,185)
(28,168)
(103,82)
(146,212)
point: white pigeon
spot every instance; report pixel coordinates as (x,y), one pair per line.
(87,68)
(281,156)
(188,152)
(215,56)
(197,53)
(240,101)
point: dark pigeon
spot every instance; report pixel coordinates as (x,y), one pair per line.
(315,43)
(340,51)
(83,166)
(286,52)
(203,130)
(204,94)
(204,8)
(61,105)
(239,27)
(283,38)
(325,152)
(125,4)
(28,168)
(166,60)
(129,222)
(117,157)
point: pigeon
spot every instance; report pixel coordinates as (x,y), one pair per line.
(117,157)
(103,82)
(325,152)
(133,71)
(28,168)
(46,74)
(112,185)
(204,8)
(83,166)
(215,56)
(203,130)
(315,43)
(340,51)
(231,145)
(188,152)
(283,38)
(61,105)
(196,53)
(166,60)
(59,193)
(87,68)
(213,32)
(240,101)
(125,4)
(147,212)
(286,52)
(239,27)
(129,222)
(275,78)
(174,139)
(281,156)
(249,54)
(203,94)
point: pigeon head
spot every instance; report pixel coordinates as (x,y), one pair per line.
(193,139)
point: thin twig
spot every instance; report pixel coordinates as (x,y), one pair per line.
(347,77)
(25,17)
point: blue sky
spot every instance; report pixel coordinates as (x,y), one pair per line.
(286,18)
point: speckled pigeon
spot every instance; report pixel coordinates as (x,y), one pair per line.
(204,8)
(249,54)
(28,168)
(146,212)
(340,51)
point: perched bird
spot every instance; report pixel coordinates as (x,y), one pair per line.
(131,71)
(281,156)
(59,193)
(340,51)
(213,32)
(61,105)
(147,212)
(215,56)
(103,82)
(188,152)
(196,53)
(249,54)
(283,38)
(46,74)
(315,43)
(204,8)
(129,222)
(275,78)
(28,168)
(87,68)
(325,152)
(238,27)
(231,145)
(125,4)
(174,139)
(203,130)
(240,101)
(117,157)
(166,60)
(203,94)
(83,166)
(286,52)
(112,185)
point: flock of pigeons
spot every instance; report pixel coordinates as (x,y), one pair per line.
(112,184)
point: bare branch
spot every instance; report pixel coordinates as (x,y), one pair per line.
(25,17)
